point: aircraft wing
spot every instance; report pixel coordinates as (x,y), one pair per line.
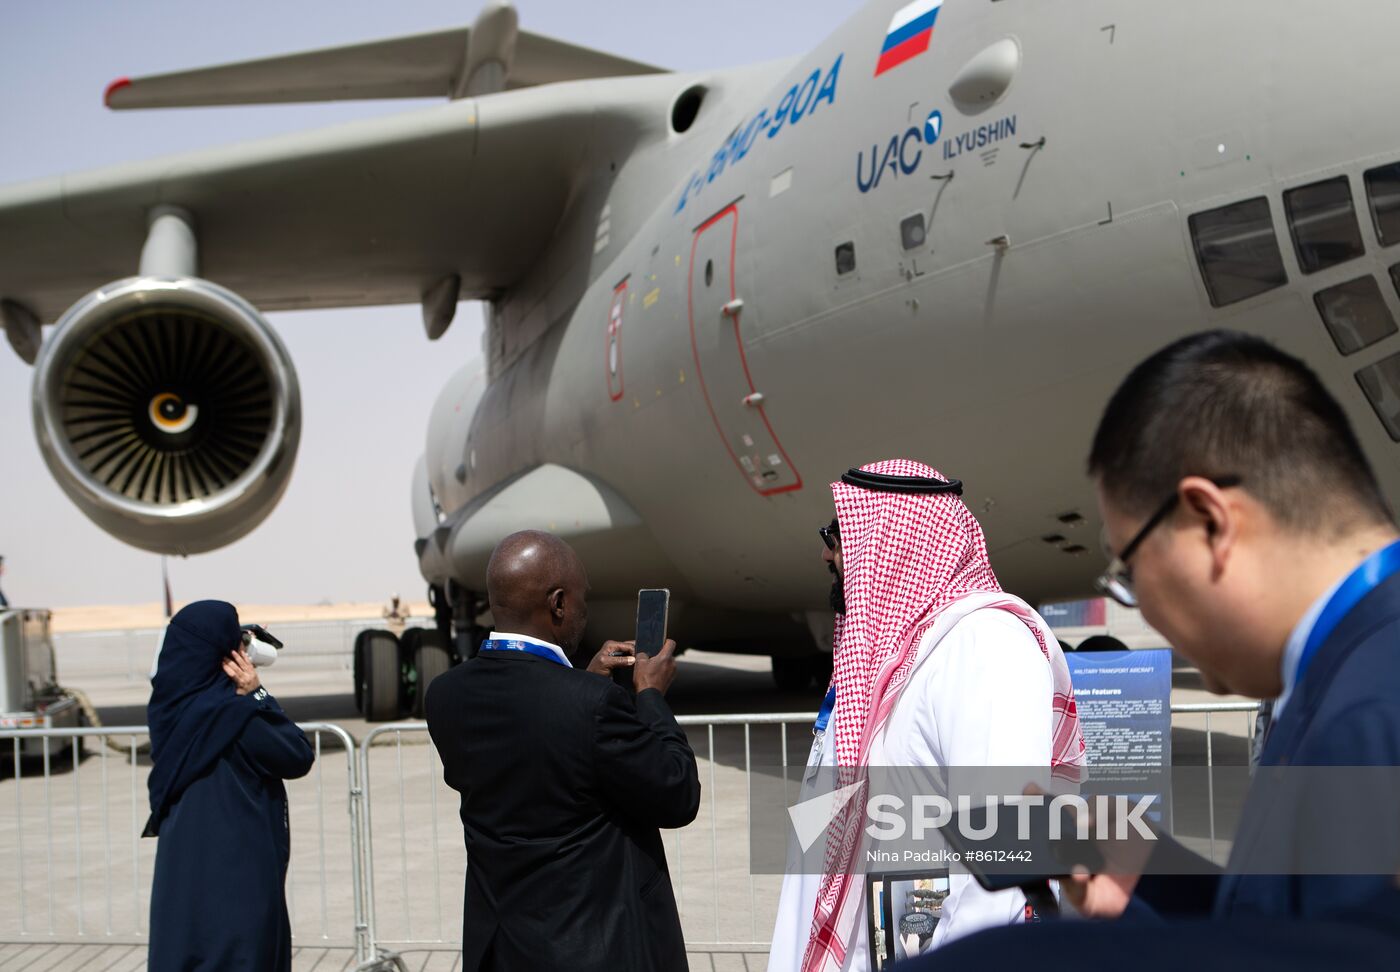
(419,66)
(369,212)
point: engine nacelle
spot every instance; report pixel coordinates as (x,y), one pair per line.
(169,412)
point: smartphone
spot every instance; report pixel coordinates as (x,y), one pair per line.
(1002,861)
(653,606)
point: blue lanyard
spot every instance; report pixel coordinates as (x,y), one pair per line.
(510,644)
(1373,572)
(824,716)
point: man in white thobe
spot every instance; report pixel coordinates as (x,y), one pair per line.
(935,667)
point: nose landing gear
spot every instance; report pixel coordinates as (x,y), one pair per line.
(393,672)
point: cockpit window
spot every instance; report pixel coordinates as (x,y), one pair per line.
(1381,383)
(1322,219)
(1383,192)
(1237,250)
(1355,314)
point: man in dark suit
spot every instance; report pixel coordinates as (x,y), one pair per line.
(1366,937)
(565,780)
(1252,533)
(1250,530)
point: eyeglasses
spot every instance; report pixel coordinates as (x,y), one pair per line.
(1117,580)
(831,534)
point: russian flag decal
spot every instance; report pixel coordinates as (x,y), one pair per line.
(909,34)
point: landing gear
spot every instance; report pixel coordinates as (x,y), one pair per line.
(392,674)
(1102,643)
(442,612)
(467,607)
(792,674)
(377,675)
(425,657)
(358,654)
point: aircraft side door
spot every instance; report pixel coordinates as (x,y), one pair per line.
(614,332)
(717,339)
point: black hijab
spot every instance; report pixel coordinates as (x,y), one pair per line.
(195,713)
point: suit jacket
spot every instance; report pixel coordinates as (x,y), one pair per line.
(1344,711)
(1364,937)
(565,780)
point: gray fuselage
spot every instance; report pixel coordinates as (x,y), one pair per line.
(1057,252)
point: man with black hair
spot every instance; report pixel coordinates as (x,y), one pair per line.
(1249,529)
(1244,521)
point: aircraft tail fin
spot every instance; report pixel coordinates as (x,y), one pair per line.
(441,64)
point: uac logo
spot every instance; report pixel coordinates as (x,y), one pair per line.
(901,154)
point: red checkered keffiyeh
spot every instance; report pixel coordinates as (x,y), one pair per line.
(907,558)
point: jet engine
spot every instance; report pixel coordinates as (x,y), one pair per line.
(169,412)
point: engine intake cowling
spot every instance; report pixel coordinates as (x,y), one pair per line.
(169,412)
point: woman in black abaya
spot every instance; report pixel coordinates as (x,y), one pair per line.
(221,747)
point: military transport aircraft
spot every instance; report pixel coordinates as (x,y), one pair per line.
(946,232)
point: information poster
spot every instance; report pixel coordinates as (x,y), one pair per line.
(1124,702)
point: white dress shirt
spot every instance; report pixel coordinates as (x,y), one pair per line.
(552,648)
(1293,650)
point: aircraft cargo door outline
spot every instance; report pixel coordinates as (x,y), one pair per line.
(716,340)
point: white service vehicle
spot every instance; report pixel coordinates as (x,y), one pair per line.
(30,696)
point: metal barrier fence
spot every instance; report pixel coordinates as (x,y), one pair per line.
(415,891)
(77,868)
(723,906)
(80,871)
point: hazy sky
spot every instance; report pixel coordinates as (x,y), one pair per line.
(368,376)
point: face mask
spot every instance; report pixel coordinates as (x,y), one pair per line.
(260,645)
(260,653)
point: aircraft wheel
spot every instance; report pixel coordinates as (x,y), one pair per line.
(408,675)
(792,674)
(358,654)
(430,659)
(1102,643)
(381,675)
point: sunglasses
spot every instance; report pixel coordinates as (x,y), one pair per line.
(831,534)
(1117,580)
